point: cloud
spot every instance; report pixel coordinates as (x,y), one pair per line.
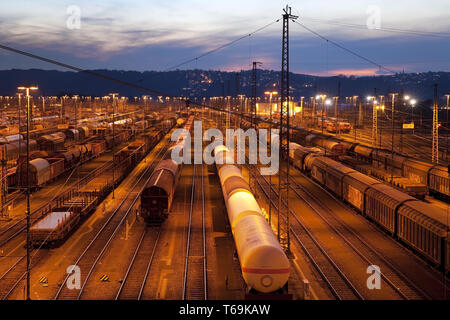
(146,33)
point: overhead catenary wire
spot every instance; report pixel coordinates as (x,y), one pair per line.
(88,72)
(381,67)
(382,29)
(108,78)
(222,46)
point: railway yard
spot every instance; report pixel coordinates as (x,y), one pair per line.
(114,217)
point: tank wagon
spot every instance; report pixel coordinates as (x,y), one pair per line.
(264,265)
(157,196)
(421,226)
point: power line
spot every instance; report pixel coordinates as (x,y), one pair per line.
(89,72)
(222,46)
(346,49)
(104,77)
(386,29)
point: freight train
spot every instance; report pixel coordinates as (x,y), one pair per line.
(55,225)
(435,177)
(45,152)
(421,226)
(264,265)
(157,196)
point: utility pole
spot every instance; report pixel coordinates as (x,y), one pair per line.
(313,115)
(337,100)
(19,107)
(447,126)
(435,146)
(237,84)
(283,177)
(253,100)
(114,96)
(27,90)
(393,136)
(271,94)
(3,181)
(354,100)
(374,117)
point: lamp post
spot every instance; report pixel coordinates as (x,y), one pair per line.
(323,97)
(412,102)
(114,96)
(270,93)
(19,94)
(392,141)
(27,90)
(354,101)
(446,122)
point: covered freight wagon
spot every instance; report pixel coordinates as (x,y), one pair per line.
(39,173)
(156,198)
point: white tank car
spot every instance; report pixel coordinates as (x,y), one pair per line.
(264,264)
(241,204)
(227,172)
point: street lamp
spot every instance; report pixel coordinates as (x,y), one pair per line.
(19,94)
(27,90)
(270,93)
(323,97)
(446,121)
(393,135)
(114,97)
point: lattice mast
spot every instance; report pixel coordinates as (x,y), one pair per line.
(283,175)
(435,146)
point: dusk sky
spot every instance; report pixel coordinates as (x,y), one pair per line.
(155,35)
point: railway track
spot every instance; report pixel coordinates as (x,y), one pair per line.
(11,279)
(195,285)
(97,246)
(136,276)
(389,272)
(340,286)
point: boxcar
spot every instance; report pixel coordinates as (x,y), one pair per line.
(98,147)
(157,196)
(416,171)
(381,204)
(50,143)
(39,173)
(424,227)
(329,173)
(439,181)
(56,167)
(68,158)
(354,186)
